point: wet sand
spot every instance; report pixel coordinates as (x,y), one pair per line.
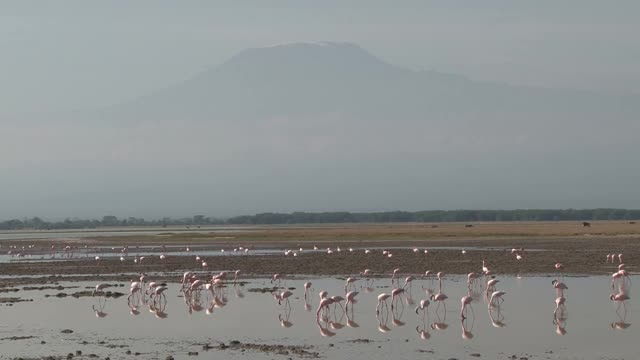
(582,250)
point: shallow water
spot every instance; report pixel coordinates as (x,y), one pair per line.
(592,329)
(82,233)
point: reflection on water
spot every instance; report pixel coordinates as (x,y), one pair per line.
(232,312)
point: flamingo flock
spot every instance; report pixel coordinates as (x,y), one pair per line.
(208,293)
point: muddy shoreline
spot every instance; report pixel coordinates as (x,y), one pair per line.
(579,250)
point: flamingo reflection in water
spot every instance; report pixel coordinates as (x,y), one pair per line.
(466,327)
(99,309)
(423,332)
(439,323)
(283,318)
(622,323)
(621,299)
(561,326)
(496,317)
(383,320)
(237,290)
(397,317)
(158,309)
(351,318)
(102,299)
(324,330)
(337,324)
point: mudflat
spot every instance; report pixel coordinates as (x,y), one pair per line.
(581,249)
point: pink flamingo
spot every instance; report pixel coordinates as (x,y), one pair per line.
(337,299)
(99,289)
(609,258)
(306,285)
(427,274)
(158,293)
(276,277)
(283,296)
(560,287)
(349,283)
(350,299)
(323,294)
(395,272)
(424,307)
(620,299)
(367,275)
(397,292)
(440,298)
(496,299)
(559,268)
(466,300)
(491,285)
(196,285)
(620,258)
(235,278)
(408,281)
(185,278)
(472,277)
(440,275)
(134,289)
(382,301)
(324,305)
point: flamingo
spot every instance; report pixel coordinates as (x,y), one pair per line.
(99,289)
(427,274)
(560,287)
(235,278)
(464,301)
(440,298)
(337,299)
(609,258)
(496,298)
(559,268)
(472,277)
(349,283)
(620,258)
(408,281)
(283,296)
(424,305)
(324,304)
(620,299)
(440,275)
(196,285)
(306,285)
(397,292)
(350,299)
(366,273)
(185,278)
(485,269)
(382,301)
(134,289)
(395,272)
(158,293)
(276,277)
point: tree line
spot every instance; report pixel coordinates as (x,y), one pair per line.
(37,223)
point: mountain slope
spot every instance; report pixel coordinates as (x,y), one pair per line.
(312,80)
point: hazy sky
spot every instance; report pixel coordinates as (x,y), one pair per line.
(79,55)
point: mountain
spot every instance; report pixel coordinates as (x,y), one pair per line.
(312,80)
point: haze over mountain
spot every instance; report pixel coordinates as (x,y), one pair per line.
(328,126)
